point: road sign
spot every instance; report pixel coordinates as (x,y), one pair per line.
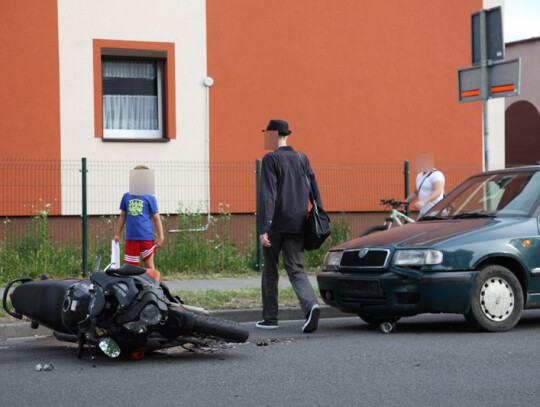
(503,80)
(494,36)
(487,78)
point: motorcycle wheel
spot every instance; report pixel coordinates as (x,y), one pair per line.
(220,328)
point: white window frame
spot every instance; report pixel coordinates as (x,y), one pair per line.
(131,134)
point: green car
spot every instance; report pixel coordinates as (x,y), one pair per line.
(476,253)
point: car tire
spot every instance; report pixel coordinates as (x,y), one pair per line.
(378,320)
(496,301)
(374,229)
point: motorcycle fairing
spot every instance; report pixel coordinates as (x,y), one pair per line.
(123,288)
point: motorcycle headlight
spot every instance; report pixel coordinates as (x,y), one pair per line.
(150,314)
(423,257)
(332,260)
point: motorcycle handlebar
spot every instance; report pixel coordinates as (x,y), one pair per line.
(6,291)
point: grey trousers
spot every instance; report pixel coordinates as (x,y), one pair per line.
(292,246)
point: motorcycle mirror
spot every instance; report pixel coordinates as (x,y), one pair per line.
(109,347)
(98,263)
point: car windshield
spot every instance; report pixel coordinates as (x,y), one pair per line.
(504,194)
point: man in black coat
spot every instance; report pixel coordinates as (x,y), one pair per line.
(283,210)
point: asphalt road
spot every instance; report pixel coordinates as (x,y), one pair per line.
(432,360)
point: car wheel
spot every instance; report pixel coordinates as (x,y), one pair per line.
(496,301)
(378,320)
(374,229)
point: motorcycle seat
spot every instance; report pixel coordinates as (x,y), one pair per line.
(41,301)
(127,270)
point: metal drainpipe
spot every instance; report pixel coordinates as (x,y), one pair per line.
(208,82)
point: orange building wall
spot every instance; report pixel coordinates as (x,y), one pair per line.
(358,81)
(29,97)
(30,90)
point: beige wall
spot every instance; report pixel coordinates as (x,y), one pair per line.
(496,141)
(522,112)
(529,52)
(181,22)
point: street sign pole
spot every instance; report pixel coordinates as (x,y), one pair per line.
(490,76)
(484,88)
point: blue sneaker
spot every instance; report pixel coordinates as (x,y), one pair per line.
(312,320)
(266,325)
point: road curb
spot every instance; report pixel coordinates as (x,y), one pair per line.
(23,329)
(285,314)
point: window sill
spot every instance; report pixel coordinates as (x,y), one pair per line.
(136,140)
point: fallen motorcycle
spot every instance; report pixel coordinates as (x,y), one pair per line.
(120,311)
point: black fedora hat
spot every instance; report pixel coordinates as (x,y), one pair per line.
(281,126)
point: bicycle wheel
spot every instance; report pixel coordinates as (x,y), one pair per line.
(374,229)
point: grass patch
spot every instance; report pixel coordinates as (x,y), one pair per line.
(237,299)
(5,317)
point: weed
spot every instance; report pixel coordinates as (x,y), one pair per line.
(203,247)
(340,234)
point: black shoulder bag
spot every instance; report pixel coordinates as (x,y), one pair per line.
(317,224)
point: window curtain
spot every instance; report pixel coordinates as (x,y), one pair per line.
(130,112)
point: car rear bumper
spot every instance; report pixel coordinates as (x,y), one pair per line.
(389,294)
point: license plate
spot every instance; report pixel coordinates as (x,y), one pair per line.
(368,288)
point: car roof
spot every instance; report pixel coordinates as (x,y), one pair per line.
(528,168)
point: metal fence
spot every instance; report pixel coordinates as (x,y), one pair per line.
(57,191)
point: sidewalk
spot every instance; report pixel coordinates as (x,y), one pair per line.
(225,284)
(18,329)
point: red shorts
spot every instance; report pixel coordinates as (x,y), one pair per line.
(134,248)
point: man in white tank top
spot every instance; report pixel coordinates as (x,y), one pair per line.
(429,184)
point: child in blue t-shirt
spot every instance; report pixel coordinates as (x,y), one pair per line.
(140,214)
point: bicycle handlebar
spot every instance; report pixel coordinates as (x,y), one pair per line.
(393,202)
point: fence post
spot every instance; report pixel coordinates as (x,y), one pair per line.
(84,221)
(406,175)
(258,227)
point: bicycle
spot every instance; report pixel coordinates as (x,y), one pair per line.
(395,216)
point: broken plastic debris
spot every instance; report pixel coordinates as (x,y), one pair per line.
(44,368)
(271,342)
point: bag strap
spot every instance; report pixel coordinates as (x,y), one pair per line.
(311,198)
(426,177)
